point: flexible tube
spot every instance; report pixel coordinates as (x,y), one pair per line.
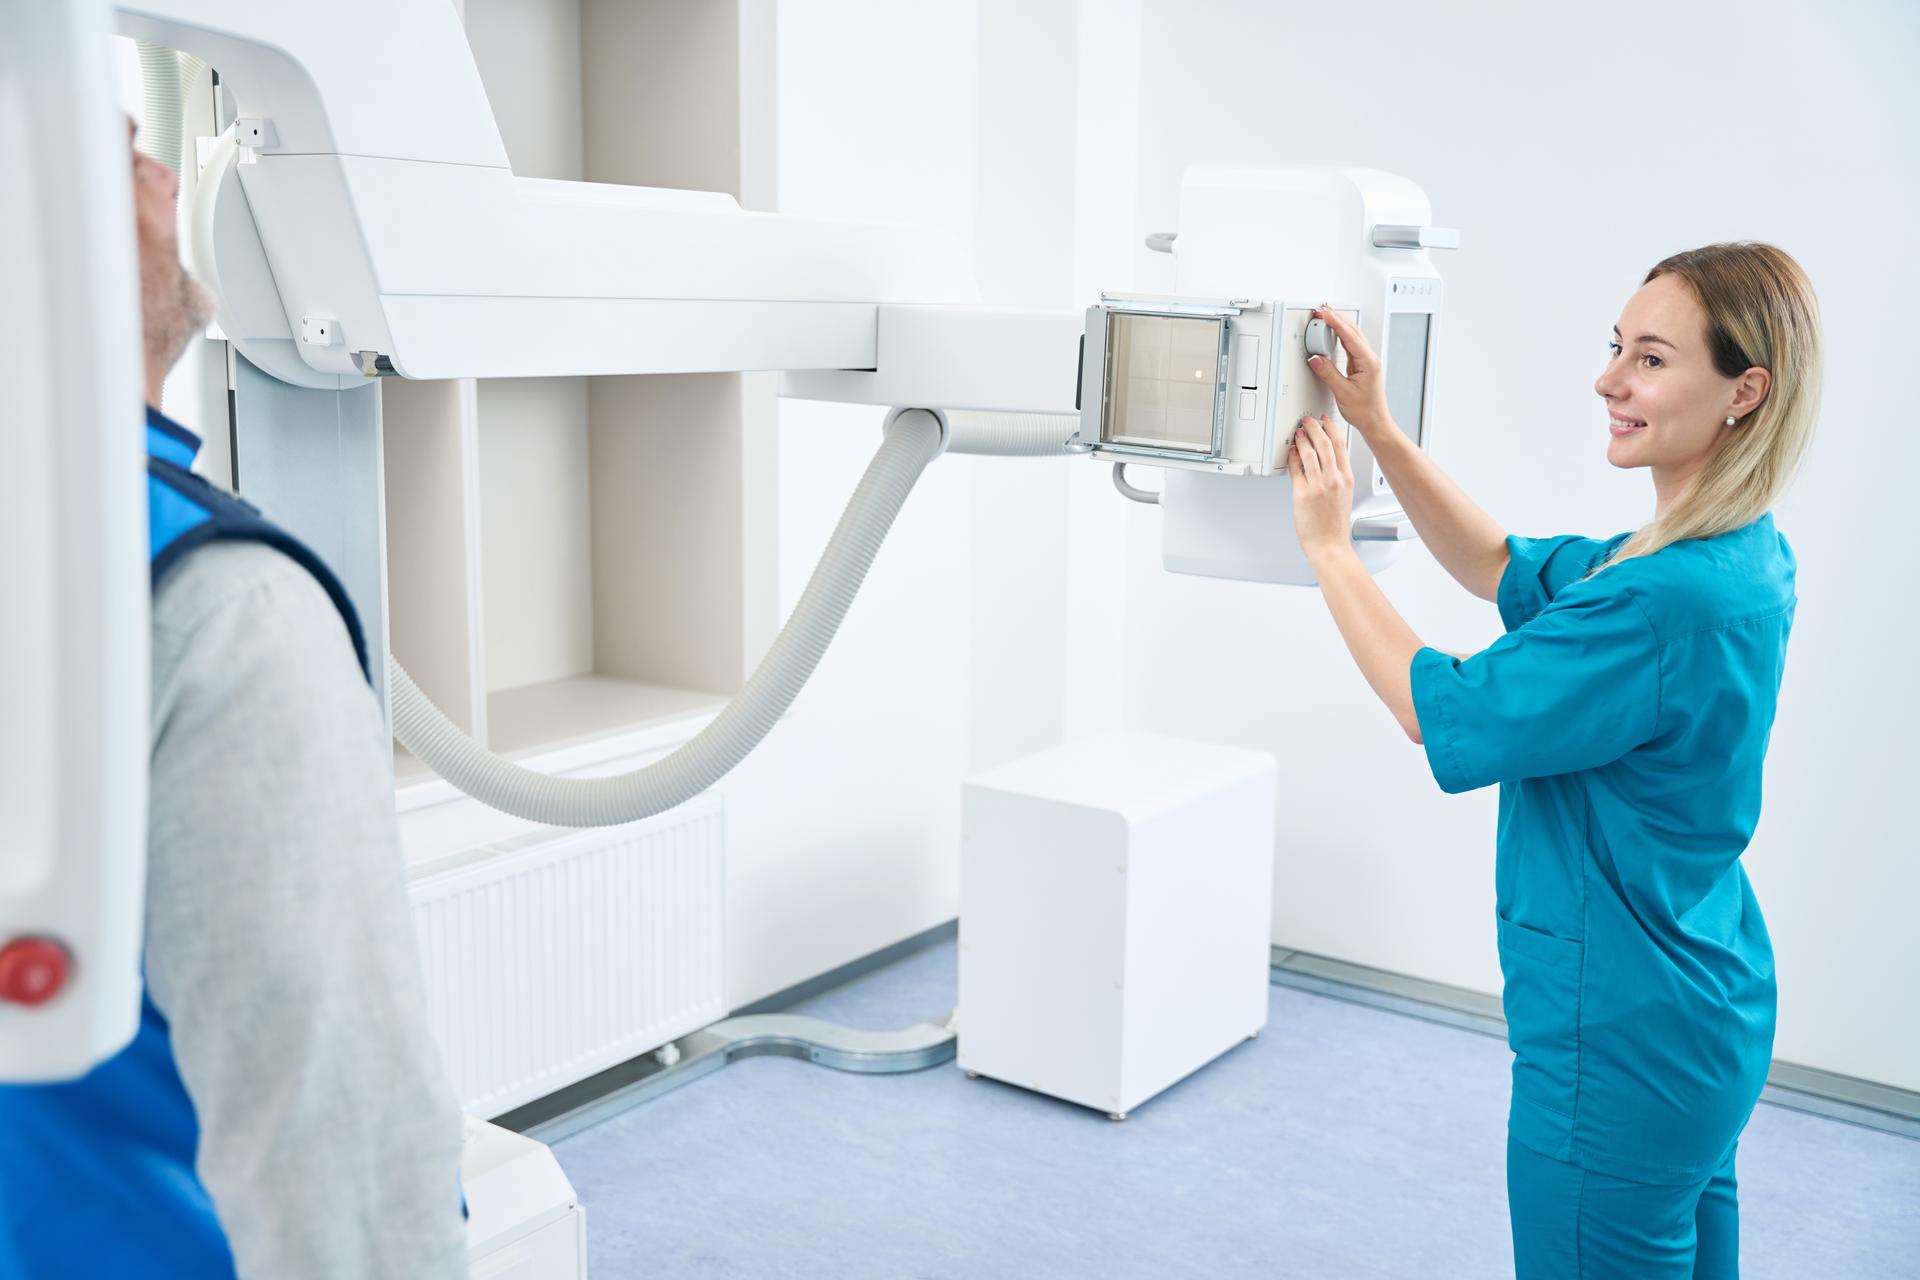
(165,76)
(1010,435)
(911,443)
(160,104)
(1130,490)
(913,440)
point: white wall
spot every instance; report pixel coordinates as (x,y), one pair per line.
(991,626)
(1575,146)
(1108,89)
(1023,207)
(843,829)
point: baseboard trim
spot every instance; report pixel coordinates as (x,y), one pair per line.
(801,992)
(1799,1088)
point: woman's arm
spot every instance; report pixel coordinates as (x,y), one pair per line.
(1382,643)
(1466,541)
(1380,640)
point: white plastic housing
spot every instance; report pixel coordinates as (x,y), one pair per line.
(376,125)
(1250,399)
(1115,896)
(524,1221)
(73,629)
(1302,233)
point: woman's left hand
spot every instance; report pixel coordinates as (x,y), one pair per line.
(1322,487)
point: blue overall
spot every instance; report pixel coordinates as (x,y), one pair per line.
(1625,717)
(97,1176)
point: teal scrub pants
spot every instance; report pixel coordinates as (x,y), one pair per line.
(1573,1224)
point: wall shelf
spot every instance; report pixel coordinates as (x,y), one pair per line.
(579,708)
(576,558)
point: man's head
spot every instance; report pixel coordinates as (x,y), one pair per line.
(173,305)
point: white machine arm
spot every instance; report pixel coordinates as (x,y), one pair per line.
(1208,384)
(324,225)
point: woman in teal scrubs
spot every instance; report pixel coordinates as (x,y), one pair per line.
(1625,715)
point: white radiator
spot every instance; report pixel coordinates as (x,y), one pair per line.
(560,954)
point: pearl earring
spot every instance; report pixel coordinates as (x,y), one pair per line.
(1729,419)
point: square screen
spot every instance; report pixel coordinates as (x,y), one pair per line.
(1163,381)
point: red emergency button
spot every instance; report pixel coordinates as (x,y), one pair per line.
(32,970)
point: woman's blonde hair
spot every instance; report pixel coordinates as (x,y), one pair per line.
(1760,312)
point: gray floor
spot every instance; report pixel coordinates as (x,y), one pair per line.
(1345,1142)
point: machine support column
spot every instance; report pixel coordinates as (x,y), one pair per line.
(311,461)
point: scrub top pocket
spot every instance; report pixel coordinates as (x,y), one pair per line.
(1542,1001)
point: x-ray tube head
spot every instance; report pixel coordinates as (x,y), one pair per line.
(1209,384)
(1263,253)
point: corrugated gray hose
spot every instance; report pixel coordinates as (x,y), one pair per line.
(165,76)
(913,441)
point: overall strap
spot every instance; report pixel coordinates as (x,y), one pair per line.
(185,512)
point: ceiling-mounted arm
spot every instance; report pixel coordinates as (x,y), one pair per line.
(364,148)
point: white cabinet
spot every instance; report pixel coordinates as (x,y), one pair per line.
(1114,904)
(523,1220)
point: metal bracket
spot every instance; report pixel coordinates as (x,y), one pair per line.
(255,132)
(1389,526)
(1398,236)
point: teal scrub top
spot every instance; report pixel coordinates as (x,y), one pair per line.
(1625,717)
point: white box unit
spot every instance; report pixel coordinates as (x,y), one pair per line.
(562,953)
(523,1220)
(1115,897)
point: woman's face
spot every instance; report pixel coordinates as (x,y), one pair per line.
(1667,406)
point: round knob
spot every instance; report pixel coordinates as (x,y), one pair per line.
(32,970)
(1319,338)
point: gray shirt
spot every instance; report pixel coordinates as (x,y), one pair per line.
(279,944)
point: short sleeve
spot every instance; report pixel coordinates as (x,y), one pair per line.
(1575,688)
(1539,568)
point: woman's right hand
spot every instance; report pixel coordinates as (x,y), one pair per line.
(1361,392)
